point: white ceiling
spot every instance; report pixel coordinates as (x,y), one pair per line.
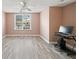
(34,5)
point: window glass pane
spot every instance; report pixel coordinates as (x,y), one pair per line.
(19,17)
(23,21)
(26,21)
(18,21)
(18,26)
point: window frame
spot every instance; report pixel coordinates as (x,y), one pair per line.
(22,18)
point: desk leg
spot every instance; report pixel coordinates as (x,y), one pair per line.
(62,43)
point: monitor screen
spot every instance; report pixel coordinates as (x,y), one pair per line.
(66,29)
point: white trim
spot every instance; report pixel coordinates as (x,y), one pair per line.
(4,36)
(14,25)
(45,39)
(22,35)
(52,42)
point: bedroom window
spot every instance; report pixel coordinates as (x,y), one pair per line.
(22,22)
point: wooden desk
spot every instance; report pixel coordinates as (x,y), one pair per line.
(61,41)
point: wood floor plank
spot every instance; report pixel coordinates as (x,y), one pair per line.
(27,48)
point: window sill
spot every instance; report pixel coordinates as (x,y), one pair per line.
(22,29)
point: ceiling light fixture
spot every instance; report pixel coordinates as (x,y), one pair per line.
(25,6)
(22,3)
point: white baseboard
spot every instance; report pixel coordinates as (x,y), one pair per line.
(52,42)
(45,39)
(4,36)
(21,35)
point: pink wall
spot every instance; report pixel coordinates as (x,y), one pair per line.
(44,24)
(53,17)
(69,15)
(3,24)
(50,21)
(62,16)
(35,25)
(69,18)
(55,21)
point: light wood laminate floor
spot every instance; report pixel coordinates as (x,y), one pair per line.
(27,48)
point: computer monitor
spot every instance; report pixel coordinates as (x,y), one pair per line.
(66,29)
